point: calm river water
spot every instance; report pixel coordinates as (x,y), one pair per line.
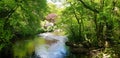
(45,45)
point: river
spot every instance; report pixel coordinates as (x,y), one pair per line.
(44,45)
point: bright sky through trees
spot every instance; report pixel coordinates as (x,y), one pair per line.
(58,3)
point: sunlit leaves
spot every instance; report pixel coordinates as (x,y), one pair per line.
(97,1)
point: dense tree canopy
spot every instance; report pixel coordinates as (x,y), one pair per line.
(94,23)
(20,18)
(89,24)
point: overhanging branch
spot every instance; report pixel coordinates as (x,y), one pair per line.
(88,7)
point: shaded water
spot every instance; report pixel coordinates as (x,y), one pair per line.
(45,45)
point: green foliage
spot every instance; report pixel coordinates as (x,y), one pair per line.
(20,18)
(94,21)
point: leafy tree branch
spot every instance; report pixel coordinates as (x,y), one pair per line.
(88,7)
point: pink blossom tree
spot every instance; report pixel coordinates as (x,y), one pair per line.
(51,17)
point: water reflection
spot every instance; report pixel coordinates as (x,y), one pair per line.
(23,49)
(53,48)
(46,45)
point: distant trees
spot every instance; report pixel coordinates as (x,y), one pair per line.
(51,17)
